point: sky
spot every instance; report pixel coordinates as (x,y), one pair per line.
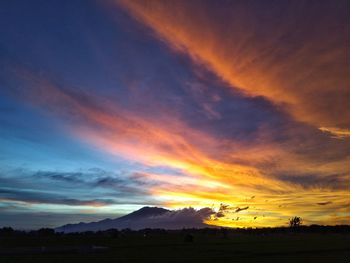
(239,106)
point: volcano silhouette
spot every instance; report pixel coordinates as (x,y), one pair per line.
(146,217)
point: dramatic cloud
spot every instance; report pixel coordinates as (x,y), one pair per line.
(244,169)
(292,53)
(230,105)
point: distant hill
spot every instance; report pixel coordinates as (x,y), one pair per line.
(146,217)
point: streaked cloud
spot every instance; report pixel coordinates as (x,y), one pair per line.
(336,132)
(191,104)
(276,50)
(264,169)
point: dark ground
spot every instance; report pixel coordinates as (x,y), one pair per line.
(176,246)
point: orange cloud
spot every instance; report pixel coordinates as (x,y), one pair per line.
(214,171)
(336,132)
(294,54)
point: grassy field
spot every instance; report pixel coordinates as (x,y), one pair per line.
(171,247)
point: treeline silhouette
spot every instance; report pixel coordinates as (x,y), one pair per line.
(49,232)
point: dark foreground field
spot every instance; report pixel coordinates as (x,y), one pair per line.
(177,246)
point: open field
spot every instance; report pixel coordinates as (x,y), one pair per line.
(213,246)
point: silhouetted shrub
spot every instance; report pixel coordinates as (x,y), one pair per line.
(295,221)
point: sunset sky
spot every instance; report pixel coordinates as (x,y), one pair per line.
(109,106)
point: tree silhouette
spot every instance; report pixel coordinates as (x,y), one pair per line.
(295,221)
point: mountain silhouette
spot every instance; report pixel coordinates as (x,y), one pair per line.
(146,217)
(144,212)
